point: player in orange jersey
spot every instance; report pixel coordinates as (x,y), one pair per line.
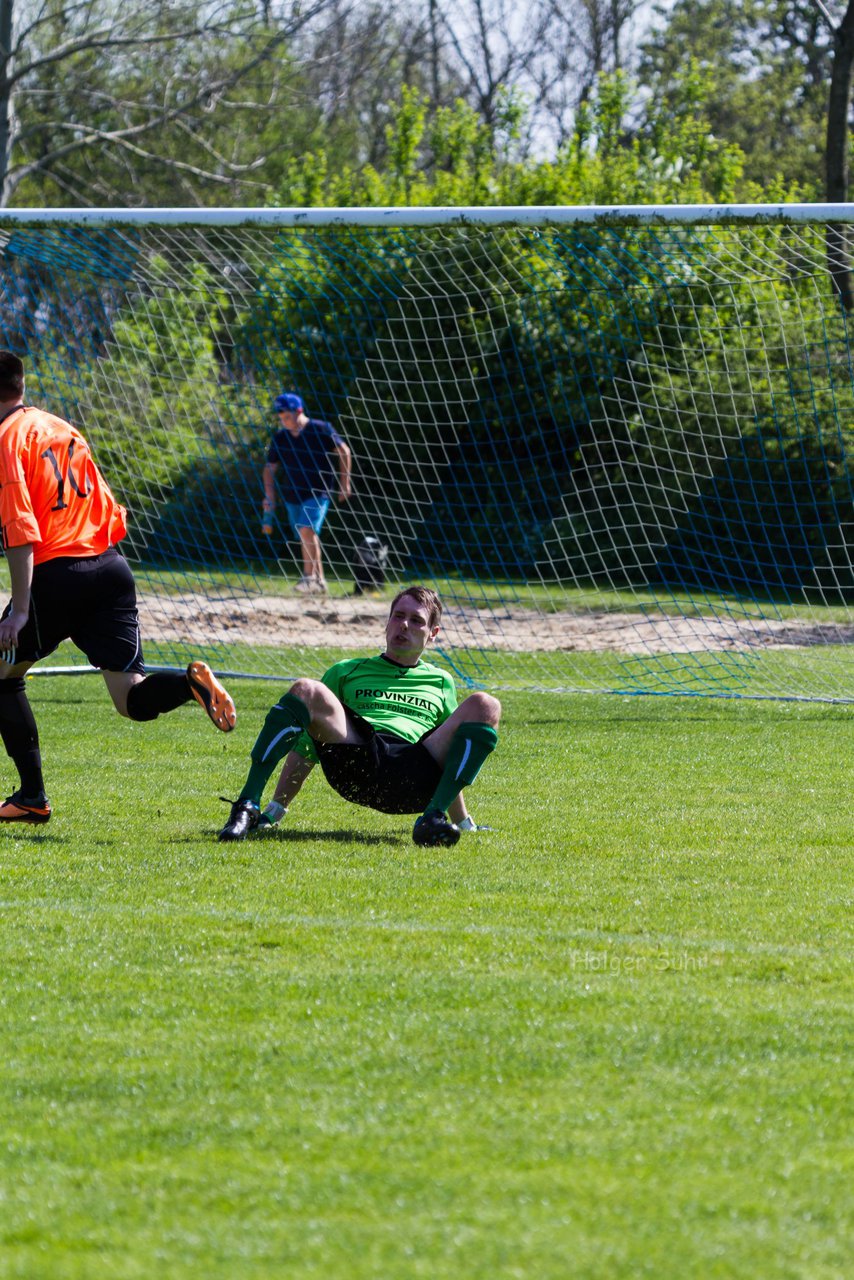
(60,527)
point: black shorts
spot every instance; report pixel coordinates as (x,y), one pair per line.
(90,600)
(385,772)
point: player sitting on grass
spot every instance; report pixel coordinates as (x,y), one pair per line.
(386,731)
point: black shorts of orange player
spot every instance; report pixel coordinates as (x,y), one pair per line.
(90,600)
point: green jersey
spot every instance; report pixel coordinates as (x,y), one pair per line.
(406,701)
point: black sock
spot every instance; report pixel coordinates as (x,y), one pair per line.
(160,692)
(20,736)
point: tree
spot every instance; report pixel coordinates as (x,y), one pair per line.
(494,43)
(353,69)
(87,113)
(547,53)
(768,66)
(584,40)
(838,148)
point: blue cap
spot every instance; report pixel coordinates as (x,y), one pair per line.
(287,402)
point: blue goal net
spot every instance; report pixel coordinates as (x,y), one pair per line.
(619,446)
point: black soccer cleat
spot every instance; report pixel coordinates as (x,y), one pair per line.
(243,818)
(435,828)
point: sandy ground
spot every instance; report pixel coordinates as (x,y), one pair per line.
(358,622)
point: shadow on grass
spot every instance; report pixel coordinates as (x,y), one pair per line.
(291,836)
(24,832)
(258,841)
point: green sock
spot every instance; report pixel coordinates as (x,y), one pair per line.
(470,746)
(283,725)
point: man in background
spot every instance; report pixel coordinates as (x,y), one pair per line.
(306,459)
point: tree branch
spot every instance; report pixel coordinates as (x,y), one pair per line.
(162,116)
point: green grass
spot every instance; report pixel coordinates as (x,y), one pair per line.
(609,1039)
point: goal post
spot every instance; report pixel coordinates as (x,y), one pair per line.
(618,441)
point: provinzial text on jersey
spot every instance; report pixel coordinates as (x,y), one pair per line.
(391,695)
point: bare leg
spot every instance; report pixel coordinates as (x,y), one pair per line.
(457,810)
(119,685)
(308,705)
(328,718)
(477,708)
(312,558)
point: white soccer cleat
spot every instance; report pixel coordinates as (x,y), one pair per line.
(272,814)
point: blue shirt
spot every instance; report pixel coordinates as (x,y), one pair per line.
(305,460)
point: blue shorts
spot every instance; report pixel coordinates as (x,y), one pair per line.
(309,514)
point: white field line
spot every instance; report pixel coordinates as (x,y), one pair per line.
(440,928)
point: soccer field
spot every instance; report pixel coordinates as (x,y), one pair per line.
(611,1038)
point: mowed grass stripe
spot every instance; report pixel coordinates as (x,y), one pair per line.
(655,946)
(608,1039)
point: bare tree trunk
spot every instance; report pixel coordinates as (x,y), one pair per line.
(836,155)
(6,7)
(434,52)
(616,31)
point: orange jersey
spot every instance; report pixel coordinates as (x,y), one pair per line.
(52,495)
